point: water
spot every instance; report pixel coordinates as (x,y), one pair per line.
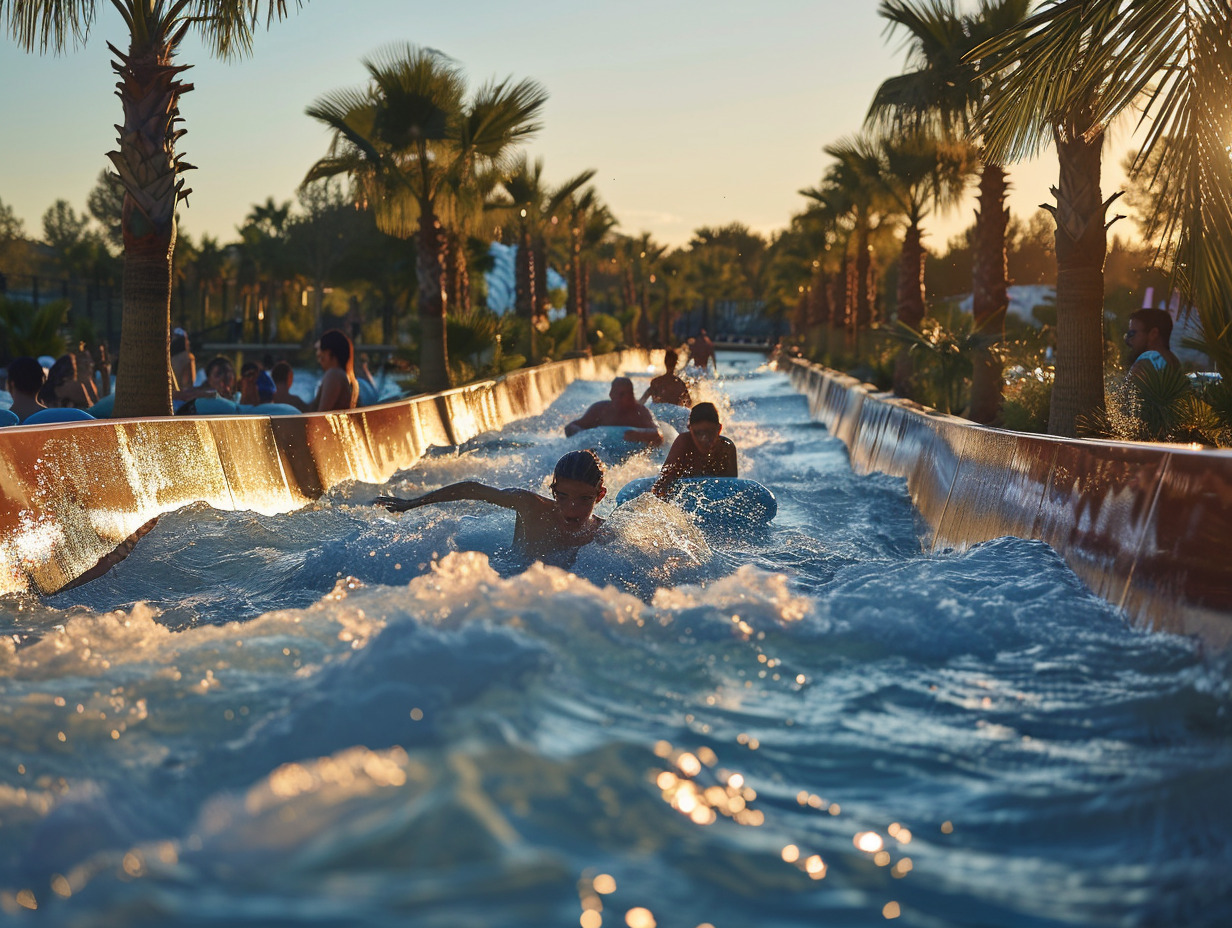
(342,717)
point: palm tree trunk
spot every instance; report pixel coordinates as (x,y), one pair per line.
(990,294)
(584,308)
(524,277)
(864,301)
(451,269)
(430,268)
(148,167)
(463,304)
(524,288)
(143,382)
(542,300)
(910,305)
(665,317)
(911,279)
(1082,244)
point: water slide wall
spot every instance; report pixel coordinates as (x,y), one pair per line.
(72,494)
(1147,527)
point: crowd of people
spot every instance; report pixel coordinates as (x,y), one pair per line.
(81,381)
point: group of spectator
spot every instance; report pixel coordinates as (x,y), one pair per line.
(71,382)
(257,386)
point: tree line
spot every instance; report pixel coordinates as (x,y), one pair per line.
(424,171)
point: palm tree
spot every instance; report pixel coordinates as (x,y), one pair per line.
(538,211)
(147,163)
(1170,59)
(943,90)
(829,220)
(404,139)
(854,180)
(920,171)
(589,222)
(1065,87)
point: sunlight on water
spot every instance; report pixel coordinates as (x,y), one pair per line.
(336,716)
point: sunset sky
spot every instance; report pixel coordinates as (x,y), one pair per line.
(693,113)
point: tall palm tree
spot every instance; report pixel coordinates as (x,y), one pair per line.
(1170,60)
(943,90)
(1063,82)
(589,222)
(829,217)
(854,179)
(540,214)
(404,139)
(146,161)
(920,172)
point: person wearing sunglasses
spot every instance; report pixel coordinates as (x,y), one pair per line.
(1148,337)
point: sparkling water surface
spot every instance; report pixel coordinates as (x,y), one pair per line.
(338,716)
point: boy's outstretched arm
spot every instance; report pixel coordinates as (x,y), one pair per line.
(467,489)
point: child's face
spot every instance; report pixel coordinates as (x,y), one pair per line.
(575,502)
(222,379)
(705,434)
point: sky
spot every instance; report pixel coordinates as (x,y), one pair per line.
(692,113)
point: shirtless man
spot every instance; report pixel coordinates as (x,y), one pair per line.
(699,452)
(283,376)
(702,352)
(621,409)
(667,387)
(545,528)
(1148,337)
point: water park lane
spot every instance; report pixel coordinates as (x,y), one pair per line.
(338,716)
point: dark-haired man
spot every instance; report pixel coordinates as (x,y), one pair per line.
(1148,337)
(668,387)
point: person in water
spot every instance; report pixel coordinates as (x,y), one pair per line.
(621,409)
(668,387)
(699,452)
(545,528)
(1148,338)
(283,376)
(338,388)
(702,352)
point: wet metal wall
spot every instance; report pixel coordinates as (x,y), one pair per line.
(70,494)
(1147,527)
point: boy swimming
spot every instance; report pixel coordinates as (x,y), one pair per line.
(699,452)
(546,528)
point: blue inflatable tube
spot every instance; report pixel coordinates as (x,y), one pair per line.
(608,442)
(717,502)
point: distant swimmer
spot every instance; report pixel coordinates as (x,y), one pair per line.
(668,387)
(621,409)
(702,352)
(699,452)
(546,528)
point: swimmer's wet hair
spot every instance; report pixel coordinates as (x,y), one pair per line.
(704,412)
(581,465)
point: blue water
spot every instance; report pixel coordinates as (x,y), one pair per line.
(342,717)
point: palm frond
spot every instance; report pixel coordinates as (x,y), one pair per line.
(48,25)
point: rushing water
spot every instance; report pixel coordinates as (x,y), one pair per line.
(342,717)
